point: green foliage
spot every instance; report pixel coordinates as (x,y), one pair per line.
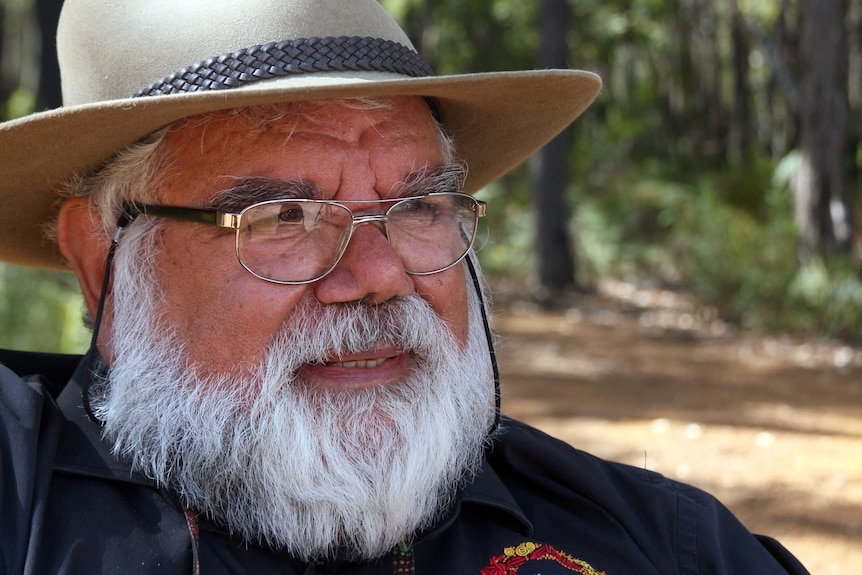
(506,236)
(734,259)
(829,291)
(624,231)
(41,311)
(480,35)
(729,238)
(20,103)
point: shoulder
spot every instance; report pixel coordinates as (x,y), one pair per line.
(22,402)
(524,455)
(29,416)
(663,517)
(30,425)
(66,504)
(27,413)
(51,370)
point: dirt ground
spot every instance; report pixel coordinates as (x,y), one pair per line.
(772,426)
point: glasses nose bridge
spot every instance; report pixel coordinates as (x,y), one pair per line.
(380,219)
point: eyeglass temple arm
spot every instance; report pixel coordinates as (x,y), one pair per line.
(214,217)
(198,215)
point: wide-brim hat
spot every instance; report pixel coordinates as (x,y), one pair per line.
(129,68)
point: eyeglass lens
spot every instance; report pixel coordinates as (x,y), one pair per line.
(296,241)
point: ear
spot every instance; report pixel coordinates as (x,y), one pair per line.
(83,243)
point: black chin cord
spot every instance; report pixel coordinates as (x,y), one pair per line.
(92,356)
(490,339)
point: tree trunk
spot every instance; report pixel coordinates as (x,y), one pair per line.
(556,264)
(48,15)
(7,83)
(741,129)
(714,108)
(420,28)
(780,107)
(823,215)
(854,89)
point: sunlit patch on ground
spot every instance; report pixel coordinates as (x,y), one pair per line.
(771,426)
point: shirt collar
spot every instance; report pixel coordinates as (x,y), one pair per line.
(81,449)
(486,489)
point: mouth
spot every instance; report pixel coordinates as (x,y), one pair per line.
(359,363)
(377,367)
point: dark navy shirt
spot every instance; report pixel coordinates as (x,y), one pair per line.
(538,506)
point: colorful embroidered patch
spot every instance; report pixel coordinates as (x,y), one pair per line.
(402,559)
(513,558)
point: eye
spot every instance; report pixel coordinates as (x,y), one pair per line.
(291,214)
(418,208)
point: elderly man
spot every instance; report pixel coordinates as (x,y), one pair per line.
(291,369)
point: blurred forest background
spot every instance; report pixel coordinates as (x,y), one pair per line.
(723,157)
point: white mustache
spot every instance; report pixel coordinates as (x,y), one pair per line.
(318,334)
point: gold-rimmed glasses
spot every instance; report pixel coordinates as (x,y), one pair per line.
(299,241)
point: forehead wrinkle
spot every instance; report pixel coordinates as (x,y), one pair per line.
(294,125)
(238,126)
(355,172)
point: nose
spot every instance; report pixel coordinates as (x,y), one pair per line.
(369,269)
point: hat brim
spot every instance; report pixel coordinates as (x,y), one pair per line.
(496,119)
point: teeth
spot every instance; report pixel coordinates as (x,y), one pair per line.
(362,363)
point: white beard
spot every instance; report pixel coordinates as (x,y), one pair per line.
(317,472)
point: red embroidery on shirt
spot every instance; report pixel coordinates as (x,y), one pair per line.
(513,558)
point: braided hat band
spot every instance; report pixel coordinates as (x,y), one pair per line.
(292,57)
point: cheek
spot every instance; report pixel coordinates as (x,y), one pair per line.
(225,316)
(447,294)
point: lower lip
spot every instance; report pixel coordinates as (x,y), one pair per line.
(393,370)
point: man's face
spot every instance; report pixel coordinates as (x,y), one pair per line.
(329,419)
(226,316)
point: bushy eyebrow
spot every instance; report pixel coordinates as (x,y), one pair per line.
(432,179)
(252,190)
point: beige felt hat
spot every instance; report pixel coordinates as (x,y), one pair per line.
(130,67)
